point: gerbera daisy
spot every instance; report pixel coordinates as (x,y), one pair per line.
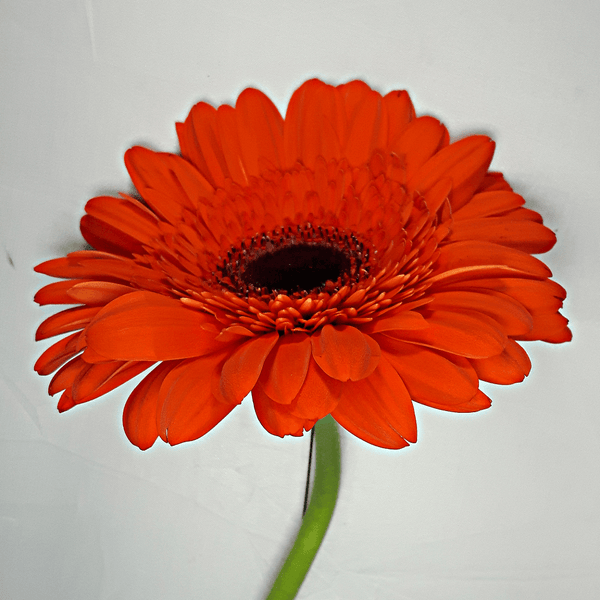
(346,260)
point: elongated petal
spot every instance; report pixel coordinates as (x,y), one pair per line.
(142,406)
(345,353)
(286,366)
(242,369)
(147,326)
(59,353)
(431,376)
(188,409)
(512,366)
(65,321)
(277,418)
(478,402)
(318,396)
(466,335)
(378,409)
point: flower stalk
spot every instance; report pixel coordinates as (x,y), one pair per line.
(318,514)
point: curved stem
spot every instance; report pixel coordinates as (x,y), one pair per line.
(318,514)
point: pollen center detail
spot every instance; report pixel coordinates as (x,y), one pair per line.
(297,267)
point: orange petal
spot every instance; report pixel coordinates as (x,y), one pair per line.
(478,402)
(285,369)
(319,395)
(430,376)
(57,354)
(260,129)
(148,326)
(507,312)
(465,162)
(378,409)
(188,408)
(476,259)
(466,335)
(142,407)
(65,321)
(418,143)
(314,125)
(243,367)
(277,418)
(512,366)
(167,182)
(404,319)
(97,293)
(344,352)
(400,111)
(488,204)
(527,236)
(200,143)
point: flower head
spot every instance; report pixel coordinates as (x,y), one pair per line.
(346,260)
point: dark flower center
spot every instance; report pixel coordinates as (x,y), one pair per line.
(296,267)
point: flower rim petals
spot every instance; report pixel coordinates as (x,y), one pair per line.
(149,326)
(286,366)
(277,418)
(511,366)
(318,396)
(478,402)
(431,376)
(243,367)
(142,406)
(344,352)
(187,407)
(468,335)
(378,409)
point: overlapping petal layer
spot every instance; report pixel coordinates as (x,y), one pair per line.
(346,259)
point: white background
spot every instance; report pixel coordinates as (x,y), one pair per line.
(503,504)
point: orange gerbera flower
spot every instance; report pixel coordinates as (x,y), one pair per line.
(346,260)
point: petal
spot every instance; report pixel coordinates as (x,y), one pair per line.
(314,125)
(466,335)
(422,138)
(431,376)
(527,236)
(507,312)
(65,321)
(260,130)
(142,406)
(189,409)
(277,418)
(97,293)
(167,182)
(465,162)
(57,354)
(148,326)
(378,409)
(243,367)
(404,319)
(488,204)
(319,395)
(400,111)
(344,352)
(286,366)
(478,402)
(475,259)
(512,366)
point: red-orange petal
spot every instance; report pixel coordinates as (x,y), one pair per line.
(478,402)
(431,376)
(188,408)
(466,335)
(378,409)
(286,366)
(242,369)
(57,354)
(319,395)
(65,321)
(142,407)
(277,418)
(148,326)
(465,162)
(400,112)
(344,352)
(512,366)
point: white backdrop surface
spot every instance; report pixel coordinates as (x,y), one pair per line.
(501,504)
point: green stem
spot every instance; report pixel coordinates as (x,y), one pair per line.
(318,514)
